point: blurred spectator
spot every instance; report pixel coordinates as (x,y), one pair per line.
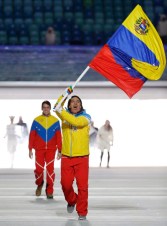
(50,38)
(22,129)
(11,139)
(162,28)
(105,140)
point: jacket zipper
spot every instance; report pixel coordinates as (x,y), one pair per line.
(71,142)
(46,133)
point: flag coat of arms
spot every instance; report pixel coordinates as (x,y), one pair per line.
(132,55)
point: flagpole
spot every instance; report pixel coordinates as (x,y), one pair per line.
(80,77)
(76,82)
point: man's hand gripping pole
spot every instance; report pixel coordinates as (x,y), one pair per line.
(68,91)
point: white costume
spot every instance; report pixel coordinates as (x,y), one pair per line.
(11,138)
(11,141)
(104,138)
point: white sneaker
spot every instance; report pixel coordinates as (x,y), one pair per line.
(81,217)
(70,208)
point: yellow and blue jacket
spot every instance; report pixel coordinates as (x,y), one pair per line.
(75,131)
(45,133)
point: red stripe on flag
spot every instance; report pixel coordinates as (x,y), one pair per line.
(105,64)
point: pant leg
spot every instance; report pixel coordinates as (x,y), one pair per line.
(67,179)
(81,174)
(50,174)
(39,166)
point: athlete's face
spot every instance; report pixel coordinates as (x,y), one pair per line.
(75,105)
(46,109)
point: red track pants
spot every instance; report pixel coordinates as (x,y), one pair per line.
(42,157)
(75,168)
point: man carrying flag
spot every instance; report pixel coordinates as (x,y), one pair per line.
(132,55)
(75,154)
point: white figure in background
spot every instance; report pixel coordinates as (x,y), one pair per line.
(92,135)
(11,139)
(105,140)
(22,130)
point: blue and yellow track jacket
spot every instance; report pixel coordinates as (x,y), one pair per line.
(75,130)
(45,133)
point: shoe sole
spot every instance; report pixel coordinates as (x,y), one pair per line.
(48,197)
(81,218)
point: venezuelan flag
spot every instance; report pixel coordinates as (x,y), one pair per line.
(132,55)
